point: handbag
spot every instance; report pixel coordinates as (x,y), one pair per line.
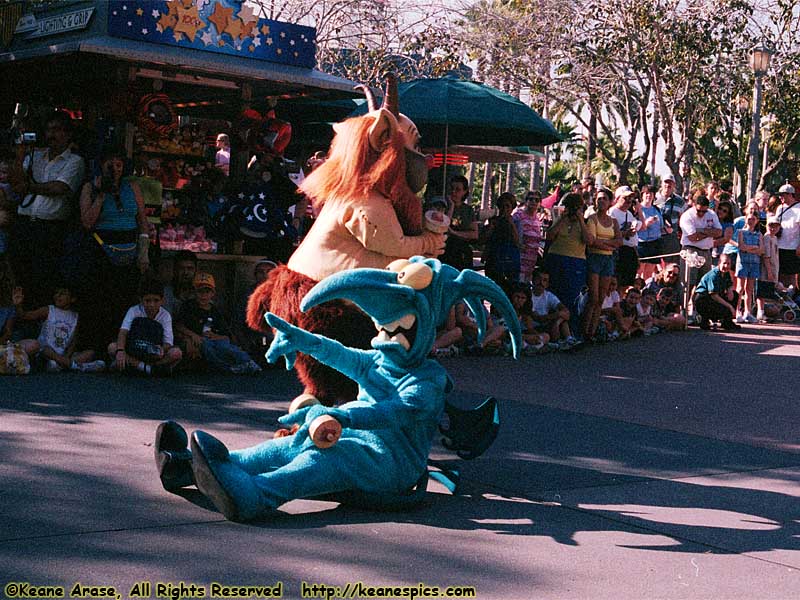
(14,360)
(119,247)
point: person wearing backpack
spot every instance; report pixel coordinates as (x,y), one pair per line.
(145,340)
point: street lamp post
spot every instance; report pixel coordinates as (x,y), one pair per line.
(759,61)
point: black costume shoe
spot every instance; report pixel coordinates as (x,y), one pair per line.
(729,325)
(210,458)
(173,458)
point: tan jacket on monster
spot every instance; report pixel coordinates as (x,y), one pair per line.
(351,235)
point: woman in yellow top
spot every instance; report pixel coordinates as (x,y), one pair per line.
(604,237)
(566,256)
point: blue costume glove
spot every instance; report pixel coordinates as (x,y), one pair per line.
(288,341)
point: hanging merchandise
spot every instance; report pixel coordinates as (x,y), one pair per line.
(265,133)
(156,117)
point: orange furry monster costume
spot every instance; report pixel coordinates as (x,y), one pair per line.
(369,215)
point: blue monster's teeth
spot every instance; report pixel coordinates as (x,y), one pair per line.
(406,322)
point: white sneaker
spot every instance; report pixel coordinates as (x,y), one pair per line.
(760,316)
(748,318)
(740,319)
(95,366)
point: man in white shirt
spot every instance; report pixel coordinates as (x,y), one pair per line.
(629,225)
(699,227)
(789,218)
(51,180)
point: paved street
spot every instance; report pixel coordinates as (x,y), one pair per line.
(665,467)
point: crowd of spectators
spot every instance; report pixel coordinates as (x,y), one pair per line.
(77,291)
(601,265)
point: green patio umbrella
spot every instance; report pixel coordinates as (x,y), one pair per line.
(451,111)
(456,112)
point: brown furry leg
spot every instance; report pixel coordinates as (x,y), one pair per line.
(281,294)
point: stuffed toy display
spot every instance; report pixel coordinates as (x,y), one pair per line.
(376,445)
(368,216)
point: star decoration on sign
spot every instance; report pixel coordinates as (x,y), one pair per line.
(189,22)
(265,29)
(234,28)
(251,48)
(283,34)
(261,196)
(247,15)
(167,20)
(256,41)
(139,12)
(155,14)
(207,38)
(221,43)
(269,41)
(220,17)
(144,31)
(177,35)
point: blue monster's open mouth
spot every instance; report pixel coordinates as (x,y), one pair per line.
(402,331)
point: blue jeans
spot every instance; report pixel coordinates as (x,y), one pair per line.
(223,355)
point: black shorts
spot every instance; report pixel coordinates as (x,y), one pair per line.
(789,262)
(648,249)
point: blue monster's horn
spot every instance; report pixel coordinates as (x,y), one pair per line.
(474,288)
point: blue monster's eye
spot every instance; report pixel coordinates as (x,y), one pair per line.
(417,276)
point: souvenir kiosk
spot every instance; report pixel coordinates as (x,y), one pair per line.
(165,78)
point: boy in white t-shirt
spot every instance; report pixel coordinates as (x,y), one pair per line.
(56,340)
(145,339)
(548,312)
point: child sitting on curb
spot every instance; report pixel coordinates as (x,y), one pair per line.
(201,326)
(533,340)
(629,324)
(56,340)
(492,342)
(549,313)
(144,342)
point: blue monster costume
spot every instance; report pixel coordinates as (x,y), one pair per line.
(386,432)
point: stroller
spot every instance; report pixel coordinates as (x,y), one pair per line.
(788,309)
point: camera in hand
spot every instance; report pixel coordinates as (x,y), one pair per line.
(17,135)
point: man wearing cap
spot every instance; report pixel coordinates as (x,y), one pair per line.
(699,227)
(629,225)
(789,218)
